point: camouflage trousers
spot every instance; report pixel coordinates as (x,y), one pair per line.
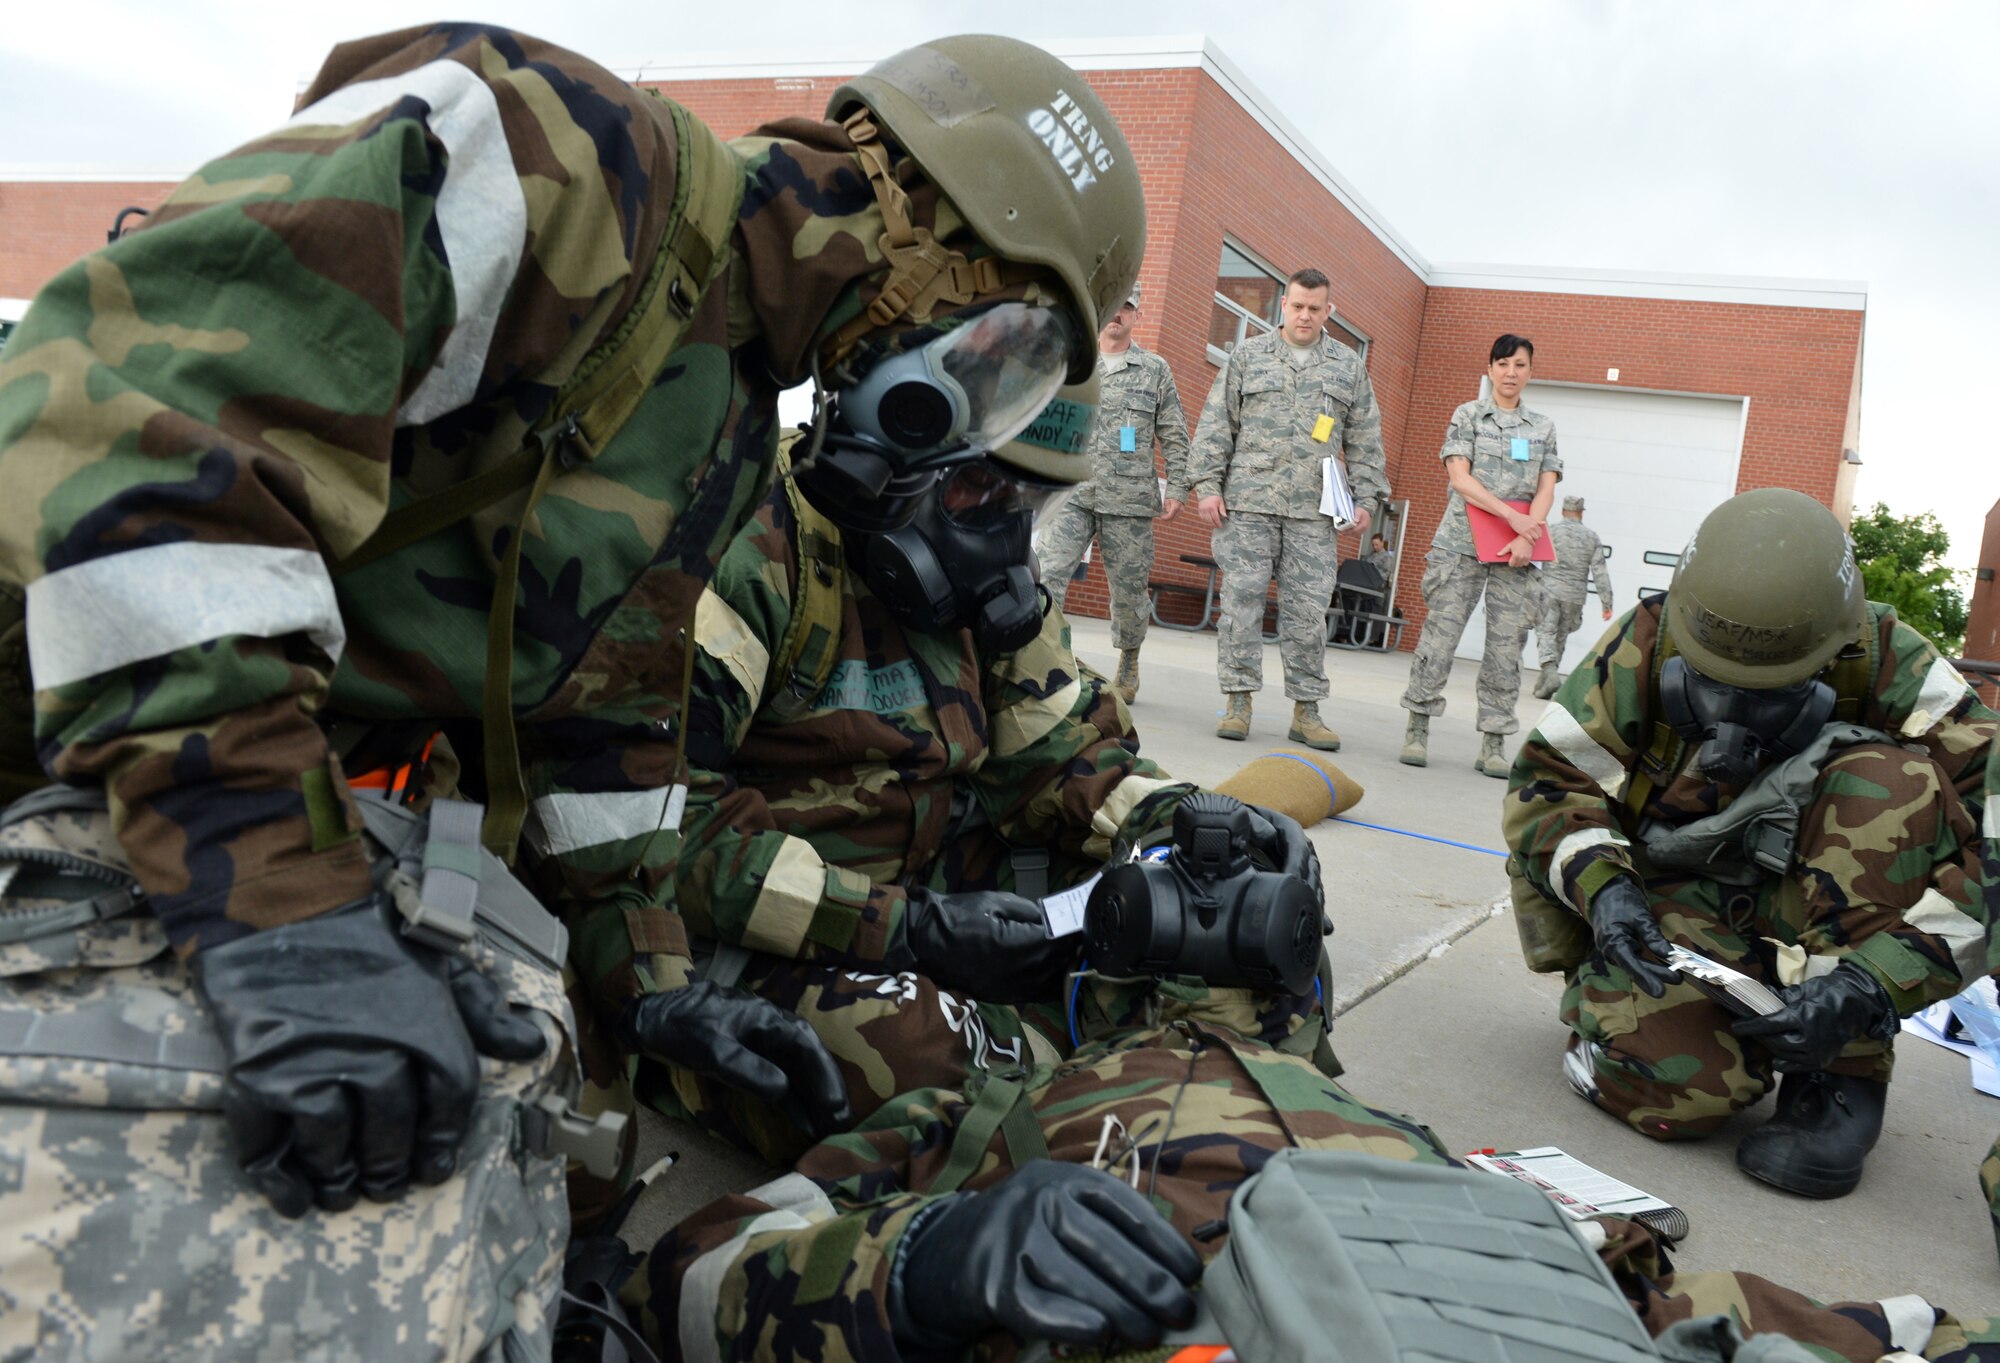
(1558,621)
(1304,552)
(889,1032)
(1126,542)
(1885,849)
(1452,585)
(128,1232)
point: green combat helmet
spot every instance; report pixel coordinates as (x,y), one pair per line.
(1027,153)
(1767,591)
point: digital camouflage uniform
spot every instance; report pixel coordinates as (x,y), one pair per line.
(1579,559)
(1192,1104)
(1256,449)
(1888,871)
(1385,564)
(919,763)
(1482,433)
(1138,405)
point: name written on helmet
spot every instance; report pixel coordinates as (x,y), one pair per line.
(1063,426)
(1077,146)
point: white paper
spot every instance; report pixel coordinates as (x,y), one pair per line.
(1064,911)
(1334,498)
(1577,1189)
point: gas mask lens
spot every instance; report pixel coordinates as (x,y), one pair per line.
(975,386)
(982,497)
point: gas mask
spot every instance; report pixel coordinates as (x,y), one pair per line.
(1741,729)
(963,558)
(945,398)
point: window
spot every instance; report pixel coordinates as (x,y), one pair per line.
(1248,299)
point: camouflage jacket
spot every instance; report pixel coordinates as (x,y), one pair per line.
(1579,558)
(1256,445)
(456,218)
(1484,434)
(799,1268)
(1567,823)
(1139,405)
(799,836)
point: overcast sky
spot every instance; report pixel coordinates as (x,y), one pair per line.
(1810,138)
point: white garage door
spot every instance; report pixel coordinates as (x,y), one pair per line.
(1650,465)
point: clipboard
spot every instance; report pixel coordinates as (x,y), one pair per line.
(1491,535)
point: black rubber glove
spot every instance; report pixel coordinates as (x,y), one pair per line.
(1623,924)
(746,1043)
(1820,1016)
(1054,1251)
(990,944)
(353,1055)
(1284,844)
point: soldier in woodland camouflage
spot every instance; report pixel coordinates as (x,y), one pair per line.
(1138,407)
(525,287)
(1285,403)
(1579,560)
(1150,1125)
(1496,454)
(1882,903)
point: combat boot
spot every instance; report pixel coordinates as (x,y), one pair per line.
(1236,720)
(1823,1129)
(1549,683)
(1308,729)
(1493,755)
(1126,683)
(1416,742)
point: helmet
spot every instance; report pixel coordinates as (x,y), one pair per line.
(1027,153)
(1767,591)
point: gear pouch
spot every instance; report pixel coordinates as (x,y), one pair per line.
(126,1229)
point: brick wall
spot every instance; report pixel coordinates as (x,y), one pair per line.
(1982,628)
(44,225)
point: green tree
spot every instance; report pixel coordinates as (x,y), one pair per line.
(1901,560)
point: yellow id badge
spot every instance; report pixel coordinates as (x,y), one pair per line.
(1322,428)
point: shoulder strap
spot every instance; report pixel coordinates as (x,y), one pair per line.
(596,403)
(805,657)
(1855,669)
(1004,1105)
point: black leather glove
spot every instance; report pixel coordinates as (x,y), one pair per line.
(353,1055)
(1054,1251)
(990,944)
(1622,922)
(1284,844)
(1820,1016)
(747,1043)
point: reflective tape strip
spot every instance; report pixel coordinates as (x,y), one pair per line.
(570,821)
(787,900)
(1026,723)
(1567,851)
(482,215)
(722,634)
(146,603)
(1560,730)
(1989,826)
(1943,688)
(1964,934)
(1911,1321)
(794,1207)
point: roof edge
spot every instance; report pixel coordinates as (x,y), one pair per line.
(1840,295)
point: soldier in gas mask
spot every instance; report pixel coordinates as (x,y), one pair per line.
(1770,770)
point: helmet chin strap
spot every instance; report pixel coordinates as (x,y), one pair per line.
(923,272)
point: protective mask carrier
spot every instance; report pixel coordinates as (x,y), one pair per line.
(1741,729)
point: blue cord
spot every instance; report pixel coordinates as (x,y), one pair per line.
(1334,795)
(1075,988)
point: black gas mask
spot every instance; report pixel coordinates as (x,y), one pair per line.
(1741,729)
(965,557)
(940,531)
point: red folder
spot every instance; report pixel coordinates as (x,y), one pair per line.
(1491,536)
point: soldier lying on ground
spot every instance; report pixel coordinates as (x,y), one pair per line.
(928,1233)
(438,406)
(1852,863)
(890,764)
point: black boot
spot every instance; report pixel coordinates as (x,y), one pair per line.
(1823,1129)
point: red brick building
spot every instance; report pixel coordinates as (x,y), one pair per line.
(1982,625)
(1670,392)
